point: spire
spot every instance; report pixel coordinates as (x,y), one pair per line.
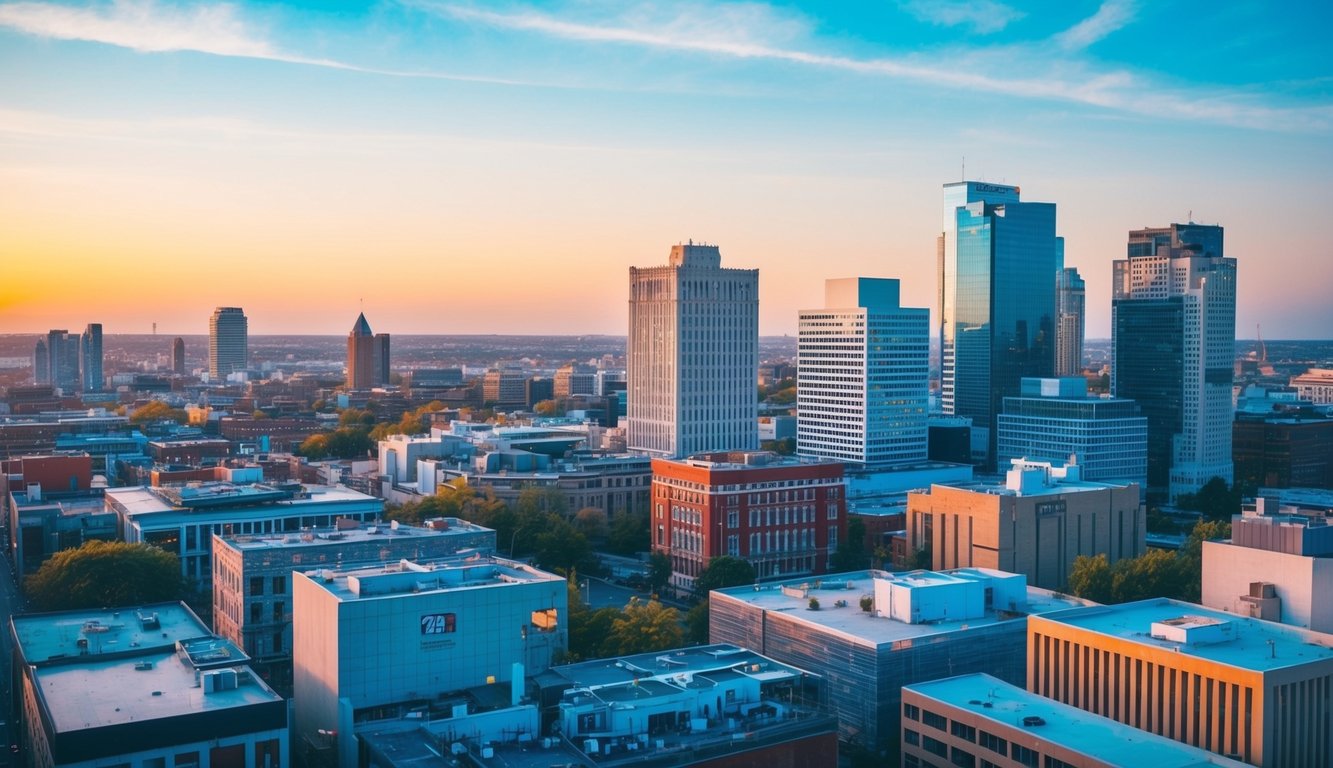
(361,328)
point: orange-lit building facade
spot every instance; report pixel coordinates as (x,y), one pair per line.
(783,515)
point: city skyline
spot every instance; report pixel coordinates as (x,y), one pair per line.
(521,156)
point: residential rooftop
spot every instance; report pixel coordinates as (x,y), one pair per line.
(408,577)
(839,598)
(1063,725)
(1216,636)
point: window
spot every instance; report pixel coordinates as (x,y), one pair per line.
(963,731)
(279,585)
(1023,755)
(1052,762)
(911,712)
(256,585)
(935,720)
(256,612)
(279,610)
(911,737)
(277,642)
(962,758)
(911,761)
(994,743)
(936,747)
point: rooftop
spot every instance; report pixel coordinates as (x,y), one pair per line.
(861,627)
(675,668)
(143,500)
(70,634)
(407,577)
(1225,638)
(1065,725)
(450,526)
(724,460)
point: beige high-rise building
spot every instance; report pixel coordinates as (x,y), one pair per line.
(693,355)
(1036,524)
(367,356)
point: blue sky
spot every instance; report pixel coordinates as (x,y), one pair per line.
(496,167)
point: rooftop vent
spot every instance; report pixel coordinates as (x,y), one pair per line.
(1031,721)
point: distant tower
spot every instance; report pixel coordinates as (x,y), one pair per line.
(367,356)
(228,342)
(863,383)
(41,363)
(1070,299)
(178,356)
(63,349)
(1173,320)
(693,354)
(997,258)
(90,357)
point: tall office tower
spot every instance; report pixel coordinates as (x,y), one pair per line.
(1069,299)
(178,356)
(862,386)
(228,342)
(574,379)
(1173,315)
(367,356)
(63,349)
(693,355)
(90,357)
(997,256)
(41,363)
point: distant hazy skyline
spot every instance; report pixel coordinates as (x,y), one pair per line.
(498,167)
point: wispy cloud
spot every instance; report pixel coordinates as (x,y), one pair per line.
(151,27)
(1059,76)
(1111,16)
(983,16)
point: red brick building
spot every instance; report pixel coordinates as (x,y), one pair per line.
(784,515)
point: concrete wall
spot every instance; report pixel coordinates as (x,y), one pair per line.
(1228,571)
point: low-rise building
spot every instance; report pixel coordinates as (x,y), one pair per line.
(1037,523)
(868,633)
(144,687)
(252,575)
(375,643)
(1232,685)
(1315,385)
(978,719)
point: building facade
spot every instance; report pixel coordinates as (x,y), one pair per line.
(1231,685)
(1037,523)
(1054,420)
(1070,297)
(998,258)
(228,342)
(1173,311)
(784,516)
(367,356)
(504,387)
(1315,385)
(90,358)
(62,348)
(862,386)
(693,355)
(574,379)
(1291,449)
(178,356)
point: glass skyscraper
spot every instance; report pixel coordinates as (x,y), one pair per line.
(90,357)
(998,258)
(228,342)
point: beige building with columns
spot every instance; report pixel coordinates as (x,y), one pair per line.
(1259,691)
(1037,523)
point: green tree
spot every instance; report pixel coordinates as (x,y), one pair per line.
(589,630)
(356,417)
(546,408)
(696,623)
(921,559)
(534,501)
(561,548)
(723,572)
(1155,573)
(784,447)
(851,553)
(105,574)
(157,411)
(314,447)
(1090,578)
(646,627)
(659,571)
(591,522)
(629,534)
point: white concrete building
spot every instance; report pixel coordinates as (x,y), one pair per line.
(863,382)
(1315,385)
(373,644)
(693,355)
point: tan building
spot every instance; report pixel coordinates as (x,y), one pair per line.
(1036,524)
(1251,689)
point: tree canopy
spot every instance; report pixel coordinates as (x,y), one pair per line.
(851,553)
(643,627)
(104,574)
(723,572)
(1156,573)
(629,534)
(157,411)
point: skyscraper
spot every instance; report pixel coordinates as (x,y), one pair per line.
(1173,316)
(1070,300)
(693,355)
(178,356)
(228,342)
(90,357)
(41,363)
(63,349)
(367,356)
(863,382)
(997,258)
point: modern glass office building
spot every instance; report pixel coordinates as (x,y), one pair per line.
(90,357)
(998,259)
(228,342)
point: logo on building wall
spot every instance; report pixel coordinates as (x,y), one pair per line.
(437,624)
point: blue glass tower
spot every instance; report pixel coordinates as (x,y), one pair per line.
(998,257)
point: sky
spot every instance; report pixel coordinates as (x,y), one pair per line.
(467,167)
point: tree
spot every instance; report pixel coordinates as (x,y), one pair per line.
(723,572)
(561,548)
(659,571)
(696,623)
(646,627)
(784,447)
(355,417)
(589,630)
(591,522)
(921,559)
(157,411)
(105,574)
(536,500)
(545,408)
(629,534)
(850,554)
(1155,573)
(1090,578)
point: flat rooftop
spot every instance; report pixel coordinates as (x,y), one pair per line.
(1059,487)
(1249,644)
(324,537)
(861,627)
(1064,725)
(712,661)
(144,500)
(104,692)
(56,636)
(407,577)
